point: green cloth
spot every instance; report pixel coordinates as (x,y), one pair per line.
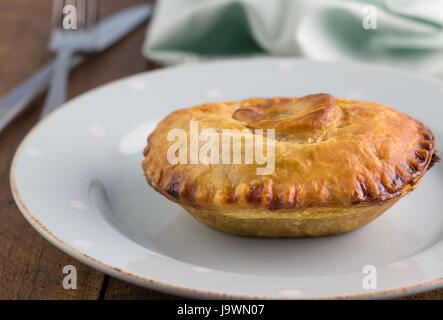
(408,34)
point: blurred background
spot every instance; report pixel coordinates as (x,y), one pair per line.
(403,34)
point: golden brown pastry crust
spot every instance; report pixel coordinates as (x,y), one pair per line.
(329,153)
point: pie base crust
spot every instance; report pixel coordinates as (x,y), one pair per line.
(312,222)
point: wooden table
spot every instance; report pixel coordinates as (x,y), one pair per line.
(30,267)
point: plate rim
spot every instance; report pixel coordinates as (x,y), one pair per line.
(182,290)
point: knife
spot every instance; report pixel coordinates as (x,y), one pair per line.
(109,31)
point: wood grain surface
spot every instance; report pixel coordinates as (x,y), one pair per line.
(30,267)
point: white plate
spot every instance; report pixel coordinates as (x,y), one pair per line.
(77,178)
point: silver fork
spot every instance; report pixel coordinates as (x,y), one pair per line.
(68,42)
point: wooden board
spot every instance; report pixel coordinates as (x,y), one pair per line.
(30,267)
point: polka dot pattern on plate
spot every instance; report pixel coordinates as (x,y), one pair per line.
(135,140)
(78,205)
(354,95)
(33,152)
(200,269)
(285,65)
(289,292)
(137,85)
(213,93)
(83,243)
(398,265)
(96,130)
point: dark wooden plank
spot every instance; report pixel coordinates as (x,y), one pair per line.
(121,290)
(430,295)
(30,267)
(24,32)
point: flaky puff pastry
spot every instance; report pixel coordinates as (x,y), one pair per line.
(338,165)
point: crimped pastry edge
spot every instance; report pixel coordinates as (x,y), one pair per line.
(177,190)
(260,213)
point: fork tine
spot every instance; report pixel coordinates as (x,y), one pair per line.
(57,12)
(81,12)
(91,13)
